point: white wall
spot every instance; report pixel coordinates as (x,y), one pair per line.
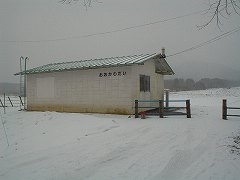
(82,91)
(45,87)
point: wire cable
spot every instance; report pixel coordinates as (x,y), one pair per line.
(107,32)
(226,34)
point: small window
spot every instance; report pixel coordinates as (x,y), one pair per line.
(144,83)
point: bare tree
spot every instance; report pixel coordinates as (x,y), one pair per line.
(86,3)
(221,9)
(217,8)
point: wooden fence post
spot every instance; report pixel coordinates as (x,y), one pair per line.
(161,106)
(136,108)
(188,108)
(167,98)
(224,109)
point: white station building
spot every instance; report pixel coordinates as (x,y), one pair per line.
(107,85)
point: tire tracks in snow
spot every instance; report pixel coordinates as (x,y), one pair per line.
(183,159)
(195,139)
(102,131)
(180,162)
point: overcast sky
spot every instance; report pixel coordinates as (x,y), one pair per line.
(67,25)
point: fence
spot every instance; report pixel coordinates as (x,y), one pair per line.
(161,109)
(11,101)
(225,110)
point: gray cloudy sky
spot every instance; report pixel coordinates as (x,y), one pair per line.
(40,21)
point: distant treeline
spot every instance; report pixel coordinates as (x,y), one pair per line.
(9,88)
(179,84)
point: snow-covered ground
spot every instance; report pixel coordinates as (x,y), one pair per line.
(72,146)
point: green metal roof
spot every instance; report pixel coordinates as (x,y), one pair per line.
(97,63)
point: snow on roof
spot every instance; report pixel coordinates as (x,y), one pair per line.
(99,63)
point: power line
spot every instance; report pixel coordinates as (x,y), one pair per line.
(207,42)
(108,32)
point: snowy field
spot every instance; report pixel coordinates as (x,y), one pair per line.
(72,146)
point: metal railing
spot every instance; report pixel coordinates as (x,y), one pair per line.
(225,110)
(163,111)
(11,101)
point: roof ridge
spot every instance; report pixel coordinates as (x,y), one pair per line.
(85,60)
